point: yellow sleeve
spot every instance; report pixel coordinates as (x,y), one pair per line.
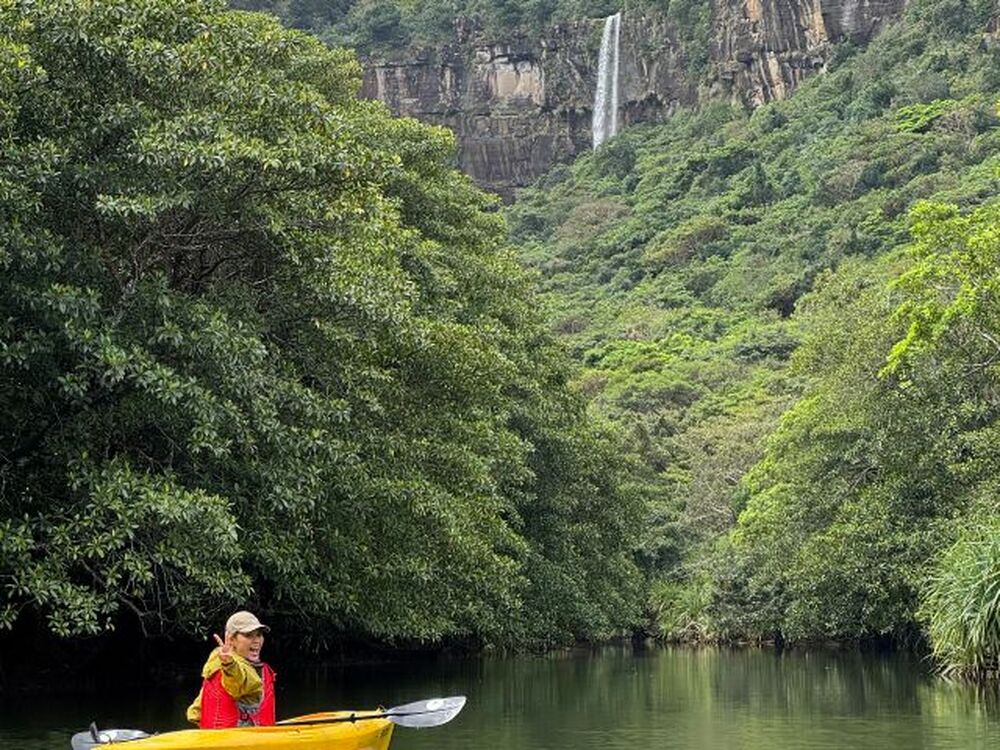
(241,680)
(194,711)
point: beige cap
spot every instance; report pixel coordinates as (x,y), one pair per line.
(244,622)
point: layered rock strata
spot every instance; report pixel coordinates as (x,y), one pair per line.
(763,49)
(520,105)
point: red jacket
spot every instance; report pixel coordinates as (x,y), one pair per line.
(219,710)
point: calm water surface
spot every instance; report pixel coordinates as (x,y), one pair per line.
(615,699)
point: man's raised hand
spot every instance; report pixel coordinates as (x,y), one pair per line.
(225,650)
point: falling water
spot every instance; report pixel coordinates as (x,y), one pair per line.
(605,122)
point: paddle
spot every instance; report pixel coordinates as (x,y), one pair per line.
(419,714)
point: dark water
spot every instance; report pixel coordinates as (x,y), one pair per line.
(615,699)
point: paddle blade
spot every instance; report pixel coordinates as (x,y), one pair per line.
(94,737)
(426,713)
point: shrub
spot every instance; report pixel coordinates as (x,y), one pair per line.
(961,602)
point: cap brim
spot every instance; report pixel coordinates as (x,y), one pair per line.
(244,631)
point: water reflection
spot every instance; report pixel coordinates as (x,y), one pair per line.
(608,700)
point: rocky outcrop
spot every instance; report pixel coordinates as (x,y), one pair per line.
(763,49)
(521,105)
(516,107)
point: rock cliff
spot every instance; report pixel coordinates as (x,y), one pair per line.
(520,105)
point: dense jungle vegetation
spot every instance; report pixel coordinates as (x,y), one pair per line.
(258,340)
(260,344)
(794,312)
(389,25)
(384,27)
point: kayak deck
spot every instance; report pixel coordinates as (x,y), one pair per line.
(369,734)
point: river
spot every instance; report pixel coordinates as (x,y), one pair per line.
(611,699)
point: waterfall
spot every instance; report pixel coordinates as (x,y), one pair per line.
(605,120)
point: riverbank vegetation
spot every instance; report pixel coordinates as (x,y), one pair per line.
(793,312)
(261,344)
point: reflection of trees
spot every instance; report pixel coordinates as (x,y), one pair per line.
(656,699)
(706,699)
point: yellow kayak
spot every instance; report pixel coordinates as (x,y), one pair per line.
(333,730)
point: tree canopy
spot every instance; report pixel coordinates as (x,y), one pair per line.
(260,342)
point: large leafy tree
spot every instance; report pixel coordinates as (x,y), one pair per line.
(258,339)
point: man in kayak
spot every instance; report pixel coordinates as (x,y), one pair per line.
(237,688)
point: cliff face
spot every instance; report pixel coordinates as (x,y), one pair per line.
(516,107)
(763,49)
(519,106)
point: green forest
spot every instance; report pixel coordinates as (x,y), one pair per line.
(390,25)
(732,377)
(260,342)
(793,314)
(382,28)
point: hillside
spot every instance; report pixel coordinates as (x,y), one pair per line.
(792,310)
